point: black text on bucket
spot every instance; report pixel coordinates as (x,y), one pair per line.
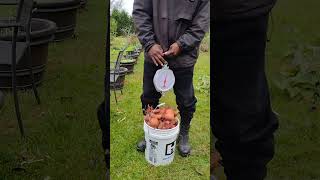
(169,148)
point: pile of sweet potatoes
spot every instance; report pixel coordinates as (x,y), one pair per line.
(161,118)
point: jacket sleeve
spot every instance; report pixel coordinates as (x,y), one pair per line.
(142,17)
(199,26)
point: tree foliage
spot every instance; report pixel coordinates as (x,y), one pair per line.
(123,20)
(116,4)
(113,27)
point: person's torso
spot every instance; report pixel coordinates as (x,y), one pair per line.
(171,19)
(237,9)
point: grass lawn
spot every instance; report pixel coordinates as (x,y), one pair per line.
(297,140)
(63,135)
(127,129)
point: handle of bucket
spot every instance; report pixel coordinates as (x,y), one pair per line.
(159,105)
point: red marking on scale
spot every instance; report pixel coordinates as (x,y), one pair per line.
(165,81)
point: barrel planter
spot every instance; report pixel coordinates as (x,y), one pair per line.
(132,54)
(62,12)
(139,51)
(129,64)
(119,83)
(131,58)
(42,32)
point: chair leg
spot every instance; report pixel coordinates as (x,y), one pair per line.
(35,91)
(14,88)
(115,96)
(17,108)
(121,92)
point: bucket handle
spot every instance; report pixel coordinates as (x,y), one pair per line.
(159,105)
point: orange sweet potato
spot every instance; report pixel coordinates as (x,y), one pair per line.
(154,122)
(161,118)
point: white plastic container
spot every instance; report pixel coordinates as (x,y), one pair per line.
(160,144)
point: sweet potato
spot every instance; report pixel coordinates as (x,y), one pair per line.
(161,125)
(157,111)
(176,113)
(169,115)
(157,116)
(146,118)
(172,126)
(162,118)
(154,122)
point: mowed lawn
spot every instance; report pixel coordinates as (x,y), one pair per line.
(127,130)
(63,135)
(298,138)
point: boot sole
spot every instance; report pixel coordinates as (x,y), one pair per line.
(184,154)
(140,150)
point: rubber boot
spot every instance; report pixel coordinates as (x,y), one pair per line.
(141,146)
(107,159)
(212,177)
(183,140)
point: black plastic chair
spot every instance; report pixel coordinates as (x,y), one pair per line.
(13,51)
(116,75)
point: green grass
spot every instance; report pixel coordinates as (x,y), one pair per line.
(127,130)
(63,136)
(297,140)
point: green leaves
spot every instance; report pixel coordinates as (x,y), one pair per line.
(124,22)
(203,84)
(300,73)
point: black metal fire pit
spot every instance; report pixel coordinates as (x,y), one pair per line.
(62,12)
(119,77)
(42,32)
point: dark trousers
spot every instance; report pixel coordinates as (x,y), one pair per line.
(183,89)
(243,121)
(105,129)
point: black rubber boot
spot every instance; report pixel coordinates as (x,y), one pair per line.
(212,177)
(141,146)
(107,159)
(183,140)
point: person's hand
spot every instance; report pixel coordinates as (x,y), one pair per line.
(174,50)
(156,54)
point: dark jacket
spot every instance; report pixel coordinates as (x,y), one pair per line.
(237,9)
(168,21)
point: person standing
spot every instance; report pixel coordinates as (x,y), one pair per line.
(171,31)
(243,121)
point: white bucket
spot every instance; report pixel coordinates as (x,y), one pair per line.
(160,144)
